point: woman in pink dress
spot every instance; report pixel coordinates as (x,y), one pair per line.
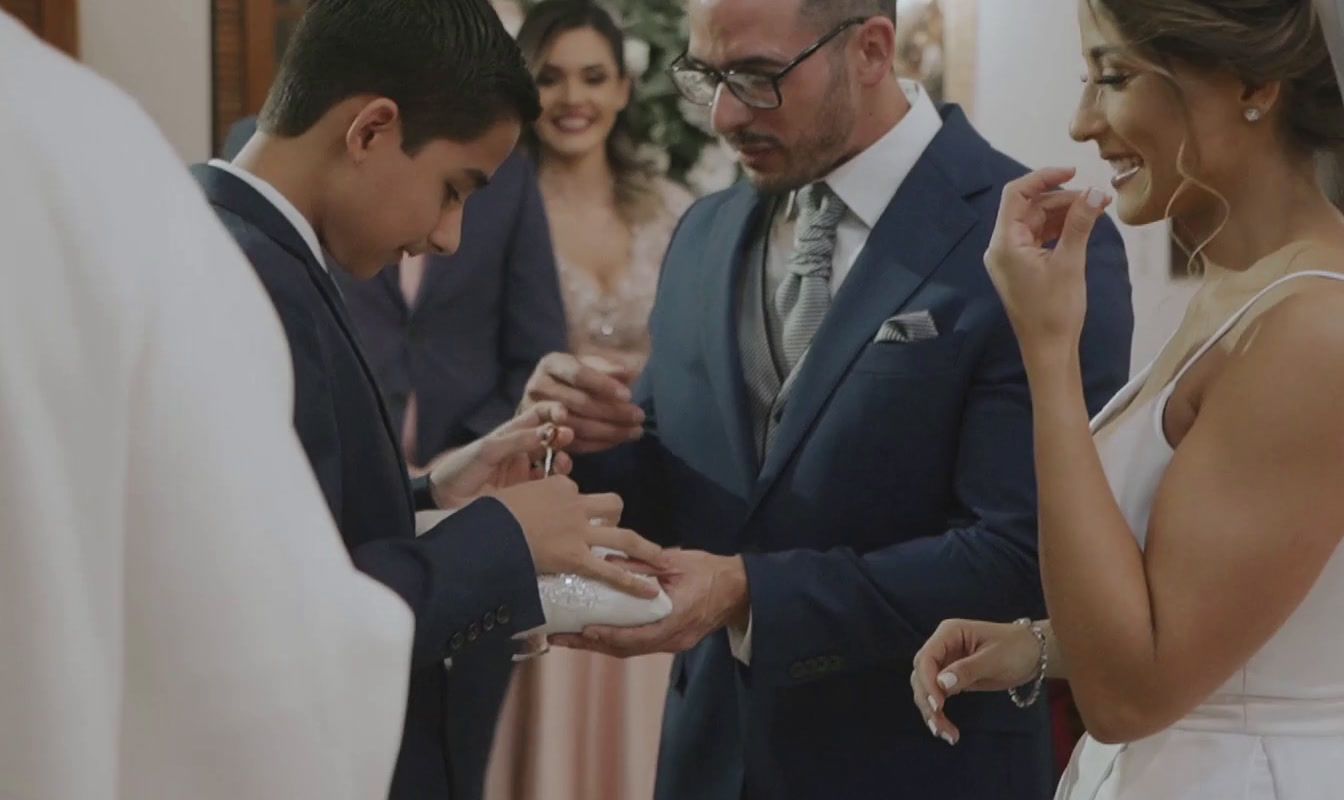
(577,725)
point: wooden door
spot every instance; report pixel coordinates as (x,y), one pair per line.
(56,21)
(249,41)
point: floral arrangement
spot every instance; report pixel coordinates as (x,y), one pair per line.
(676,134)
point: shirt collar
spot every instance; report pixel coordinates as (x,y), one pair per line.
(891,158)
(281,203)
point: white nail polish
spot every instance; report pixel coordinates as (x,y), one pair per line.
(1095,197)
(947,680)
(933,703)
(933,729)
(947,737)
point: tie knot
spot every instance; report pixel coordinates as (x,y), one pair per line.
(817,199)
(819,213)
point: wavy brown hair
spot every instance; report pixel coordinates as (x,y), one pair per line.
(1259,41)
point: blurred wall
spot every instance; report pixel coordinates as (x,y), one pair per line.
(1027,87)
(159,52)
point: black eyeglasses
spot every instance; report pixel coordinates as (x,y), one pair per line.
(700,84)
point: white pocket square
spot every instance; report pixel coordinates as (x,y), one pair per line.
(908,328)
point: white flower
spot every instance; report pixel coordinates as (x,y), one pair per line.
(655,156)
(636,57)
(714,171)
(698,116)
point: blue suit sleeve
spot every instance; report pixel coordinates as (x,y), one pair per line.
(469,580)
(817,613)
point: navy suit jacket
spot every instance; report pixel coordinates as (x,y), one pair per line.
(898,492)
(482,320)
(469,581)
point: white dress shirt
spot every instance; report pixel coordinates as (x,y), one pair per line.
(281,203)
(178,616)
(866,184)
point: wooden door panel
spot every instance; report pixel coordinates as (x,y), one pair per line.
(56,21)
(249,41)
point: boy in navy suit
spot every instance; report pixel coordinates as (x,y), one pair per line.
(385,117)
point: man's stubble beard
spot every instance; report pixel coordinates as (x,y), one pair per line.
(816,155)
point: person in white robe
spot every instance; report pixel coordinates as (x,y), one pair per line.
(178,617)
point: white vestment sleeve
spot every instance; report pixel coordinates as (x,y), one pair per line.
(178,616)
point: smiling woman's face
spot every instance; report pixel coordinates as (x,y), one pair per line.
(1141,119)
(582,92)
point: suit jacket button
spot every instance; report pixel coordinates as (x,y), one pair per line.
(489,620)
(473,632)
(455,643)
(503,615)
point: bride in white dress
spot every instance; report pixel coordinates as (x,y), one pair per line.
(1190,534)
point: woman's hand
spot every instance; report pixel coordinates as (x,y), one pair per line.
(970,656)
(1044,290)
(502,458)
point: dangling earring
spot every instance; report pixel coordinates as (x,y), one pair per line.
(1252,114)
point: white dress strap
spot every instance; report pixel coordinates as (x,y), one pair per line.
(1237,317)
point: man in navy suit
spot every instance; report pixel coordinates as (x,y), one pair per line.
(452,340)
(462,333)
(834,423)
(476,322)
(385,117)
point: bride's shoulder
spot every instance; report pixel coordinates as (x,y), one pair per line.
(1301,329)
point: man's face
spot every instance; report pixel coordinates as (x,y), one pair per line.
(801,141)
(392,203)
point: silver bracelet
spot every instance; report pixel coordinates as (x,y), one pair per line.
(1041,664)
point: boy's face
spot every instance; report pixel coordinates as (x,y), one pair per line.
(389,203)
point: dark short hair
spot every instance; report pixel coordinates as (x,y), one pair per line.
(449,65)
(829,13)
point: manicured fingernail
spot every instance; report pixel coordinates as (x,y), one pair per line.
(947,737)
(933,729)
(947,680)
(1095,198)
(933,702)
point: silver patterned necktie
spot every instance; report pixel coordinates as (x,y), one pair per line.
(804,297)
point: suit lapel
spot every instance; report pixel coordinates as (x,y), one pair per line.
(729,243)
(229,192)
(922,225)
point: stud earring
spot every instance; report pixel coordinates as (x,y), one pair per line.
(1252,114)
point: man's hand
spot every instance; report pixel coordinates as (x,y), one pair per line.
(562,526)
(596,395)
(707,592)
(502,458)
